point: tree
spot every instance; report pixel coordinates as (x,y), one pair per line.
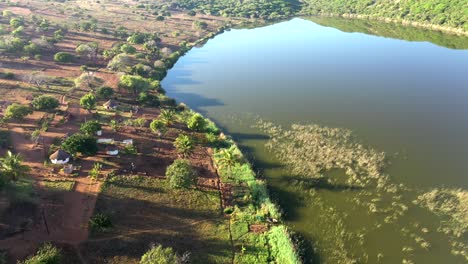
(90,127)
(134,83)
(184,145)
(148,99)
(80,143)
(90,50)
(180,174)
(158,127)
(104,92)
(128,49)
(64,57)
(160,255)
(227,158)
(17,111)
(47,254)
(191,13)
(88,101)
(196,122)
(167,116)
(137,38)
(16,22)
(12,166)
(45,102)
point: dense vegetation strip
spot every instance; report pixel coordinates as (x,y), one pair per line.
(449,13)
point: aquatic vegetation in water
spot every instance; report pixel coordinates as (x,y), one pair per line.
(310,150)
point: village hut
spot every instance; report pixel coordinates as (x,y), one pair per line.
(111,104)
(60,157)
(112,150)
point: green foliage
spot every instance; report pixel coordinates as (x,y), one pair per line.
(80,143)
(64,57)
(17,111)
(128,49)
(180,174)
(191,13)
(45,102)
(451,13)
(137,84)
(32,49)
(100,222)
(88,80)
(281,246)
(148,99)
(184,145)
(16,22)
(47,254)
(104,92)
(90,127)
(199,25)
(11,167)
(196,122)
(272,9)
(59,185)
(137,38)
(157,126)
(88,101)
(159,255)
(167,116)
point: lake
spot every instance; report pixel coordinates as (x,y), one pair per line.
(402,91)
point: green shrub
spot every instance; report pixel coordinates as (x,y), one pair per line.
(17,111)
(184,145)
(128,49)
(80,143)
(90,127)
(100,222)
(64,57)
(88,101)
(281,246)
(148,99)
(157,126)
(47,254)
(104,92)
(196,122)
(160,255)
(180,174)
(45,102)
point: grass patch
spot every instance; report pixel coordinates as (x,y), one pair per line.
(59,186)
(146,211)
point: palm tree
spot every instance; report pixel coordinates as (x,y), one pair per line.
(227,159)
(184,145)
(12,167)
(167,116)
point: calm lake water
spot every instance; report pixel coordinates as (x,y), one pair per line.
(406,98)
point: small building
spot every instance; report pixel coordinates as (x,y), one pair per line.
(111,105)
(105,140)
(127,141)
(112,150)
(60,157)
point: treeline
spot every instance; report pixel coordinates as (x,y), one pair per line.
(264,9)
(393,31)
(450,13)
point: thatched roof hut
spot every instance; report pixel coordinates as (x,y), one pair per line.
(60,157)
(111,104)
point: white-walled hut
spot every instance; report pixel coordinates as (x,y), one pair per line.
(111,104)
(112,150)
(60,157)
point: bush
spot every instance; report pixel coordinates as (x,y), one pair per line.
(90,127)
(16,22)
(80,143)
(47,254)
(17,111)
(45,102)
(157,126)
(88,101)
(137,38)
(128,49)
(191,13)
(160,255)
(64,57)
(183,145)
(148,99)
(104,92)
(180,174)
(136,83)
(100,222)
(196,122)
